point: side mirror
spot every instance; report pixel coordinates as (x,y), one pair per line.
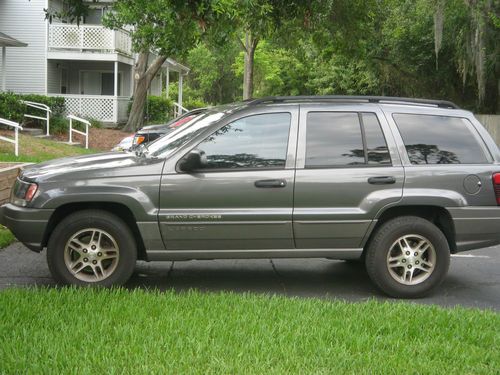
(192,161)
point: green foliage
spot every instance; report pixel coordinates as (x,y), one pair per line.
(59,125)
(168,27)
(6,237)
(159,109)
(56,103)
(163,332)
(11,108)
(192,98)
(96,124)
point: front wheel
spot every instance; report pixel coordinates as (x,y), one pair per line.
(91,247)
(408,257)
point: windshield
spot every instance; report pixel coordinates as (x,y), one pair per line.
(169,143)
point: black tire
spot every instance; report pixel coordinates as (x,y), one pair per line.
(381,243)
(101,220)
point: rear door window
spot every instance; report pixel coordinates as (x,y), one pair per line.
(431,139)
(343,139)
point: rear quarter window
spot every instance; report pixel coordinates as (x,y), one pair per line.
(431,139)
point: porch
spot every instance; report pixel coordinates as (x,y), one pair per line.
(89,38)
(102,89)
(92,89)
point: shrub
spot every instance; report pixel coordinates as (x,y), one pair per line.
(59,125)
(95,123)
(11,107)
(193,103)
(158,109)
(56,103)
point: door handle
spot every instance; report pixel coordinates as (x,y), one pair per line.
(270,184)
(382,180)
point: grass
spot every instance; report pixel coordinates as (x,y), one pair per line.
(6,237)
(114,331)
(34,150)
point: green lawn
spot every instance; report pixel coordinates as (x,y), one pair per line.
(6,237)
(114,331)
(33,150)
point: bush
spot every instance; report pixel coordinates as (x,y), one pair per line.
(158,109)
(58,125)
(56,103)
(12,109)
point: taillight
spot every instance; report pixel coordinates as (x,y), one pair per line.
(496,186)
(30,192)
(138,140)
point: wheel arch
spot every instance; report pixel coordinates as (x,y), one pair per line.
(437,215)
(118,209)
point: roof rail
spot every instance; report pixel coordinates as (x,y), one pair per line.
(347,98)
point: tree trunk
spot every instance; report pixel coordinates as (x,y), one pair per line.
(143,76)
(249,49)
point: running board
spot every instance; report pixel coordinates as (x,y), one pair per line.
(168,255)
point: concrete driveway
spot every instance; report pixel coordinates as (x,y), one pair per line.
(473,279)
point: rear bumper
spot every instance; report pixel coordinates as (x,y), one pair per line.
(476,227)
(27,224)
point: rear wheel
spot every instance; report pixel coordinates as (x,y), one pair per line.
(408,257)
(91,247)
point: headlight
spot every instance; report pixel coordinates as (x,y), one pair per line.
(23,192)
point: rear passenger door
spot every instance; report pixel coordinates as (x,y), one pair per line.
(347,169)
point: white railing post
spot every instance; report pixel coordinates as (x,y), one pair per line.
(15,141)
(71,130)
(87,136)
(41,107)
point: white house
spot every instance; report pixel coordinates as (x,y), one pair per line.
(89,65)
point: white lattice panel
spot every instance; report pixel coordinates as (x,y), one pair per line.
(83,37)
(97,38)
(100,109)
(73,106)
(64,36)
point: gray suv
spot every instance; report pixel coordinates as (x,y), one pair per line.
(397,183)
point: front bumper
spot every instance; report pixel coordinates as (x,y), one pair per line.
(27,224)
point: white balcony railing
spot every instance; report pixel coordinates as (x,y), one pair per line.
(100,107)
(89,38)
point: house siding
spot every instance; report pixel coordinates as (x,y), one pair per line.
(26,66)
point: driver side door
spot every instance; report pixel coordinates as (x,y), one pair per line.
(241,200)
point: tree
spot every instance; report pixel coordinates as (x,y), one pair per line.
(161,27)
(250,21)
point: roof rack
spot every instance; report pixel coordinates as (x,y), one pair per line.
(347,98)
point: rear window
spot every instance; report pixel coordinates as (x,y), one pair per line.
(431,139)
